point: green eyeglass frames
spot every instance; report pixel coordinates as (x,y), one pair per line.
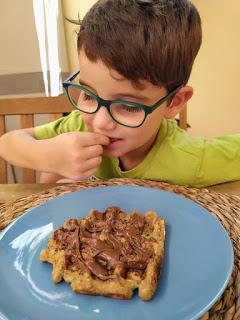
(126,113)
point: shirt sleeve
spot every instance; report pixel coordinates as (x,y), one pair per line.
(220,161)
(70,123)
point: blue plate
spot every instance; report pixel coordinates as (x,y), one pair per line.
(197,266)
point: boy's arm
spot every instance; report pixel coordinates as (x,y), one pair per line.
(48,177)
(74,155)
(20,148)
(220,161)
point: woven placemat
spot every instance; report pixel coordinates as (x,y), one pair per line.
(226,208)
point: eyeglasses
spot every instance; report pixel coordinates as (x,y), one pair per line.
(127,113)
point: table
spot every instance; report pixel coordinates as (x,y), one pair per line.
(14,191)
(223,204)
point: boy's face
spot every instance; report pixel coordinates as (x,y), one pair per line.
(129,144)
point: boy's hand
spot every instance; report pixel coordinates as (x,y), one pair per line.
(75,155)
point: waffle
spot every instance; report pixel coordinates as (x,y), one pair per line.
(109,253)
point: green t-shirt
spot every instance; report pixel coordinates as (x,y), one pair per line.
(174,158)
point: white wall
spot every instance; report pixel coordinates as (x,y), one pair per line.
(19,44)
(19,47)
(215,107)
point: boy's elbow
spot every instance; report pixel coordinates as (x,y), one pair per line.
(3,143)
(12,140)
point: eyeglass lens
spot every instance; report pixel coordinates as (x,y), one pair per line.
(123,113)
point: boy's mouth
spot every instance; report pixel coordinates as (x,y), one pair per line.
(113,140)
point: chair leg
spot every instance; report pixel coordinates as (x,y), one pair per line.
(183,118)
(13,173)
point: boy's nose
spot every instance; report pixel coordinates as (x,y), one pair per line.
(102,120)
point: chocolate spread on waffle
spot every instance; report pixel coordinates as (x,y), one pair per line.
(106,243)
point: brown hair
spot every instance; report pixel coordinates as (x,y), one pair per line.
(153,40)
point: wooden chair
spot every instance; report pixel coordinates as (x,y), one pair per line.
(26,108)
(183,118)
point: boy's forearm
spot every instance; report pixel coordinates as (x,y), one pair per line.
(47,177)
(20,148)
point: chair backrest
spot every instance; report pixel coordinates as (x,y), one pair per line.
(183,118)
(26,108)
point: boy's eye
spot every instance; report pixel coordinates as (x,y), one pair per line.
(86,96)
(128,108)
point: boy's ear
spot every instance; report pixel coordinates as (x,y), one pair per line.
(178,102)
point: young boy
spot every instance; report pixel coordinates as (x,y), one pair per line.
(135,60)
